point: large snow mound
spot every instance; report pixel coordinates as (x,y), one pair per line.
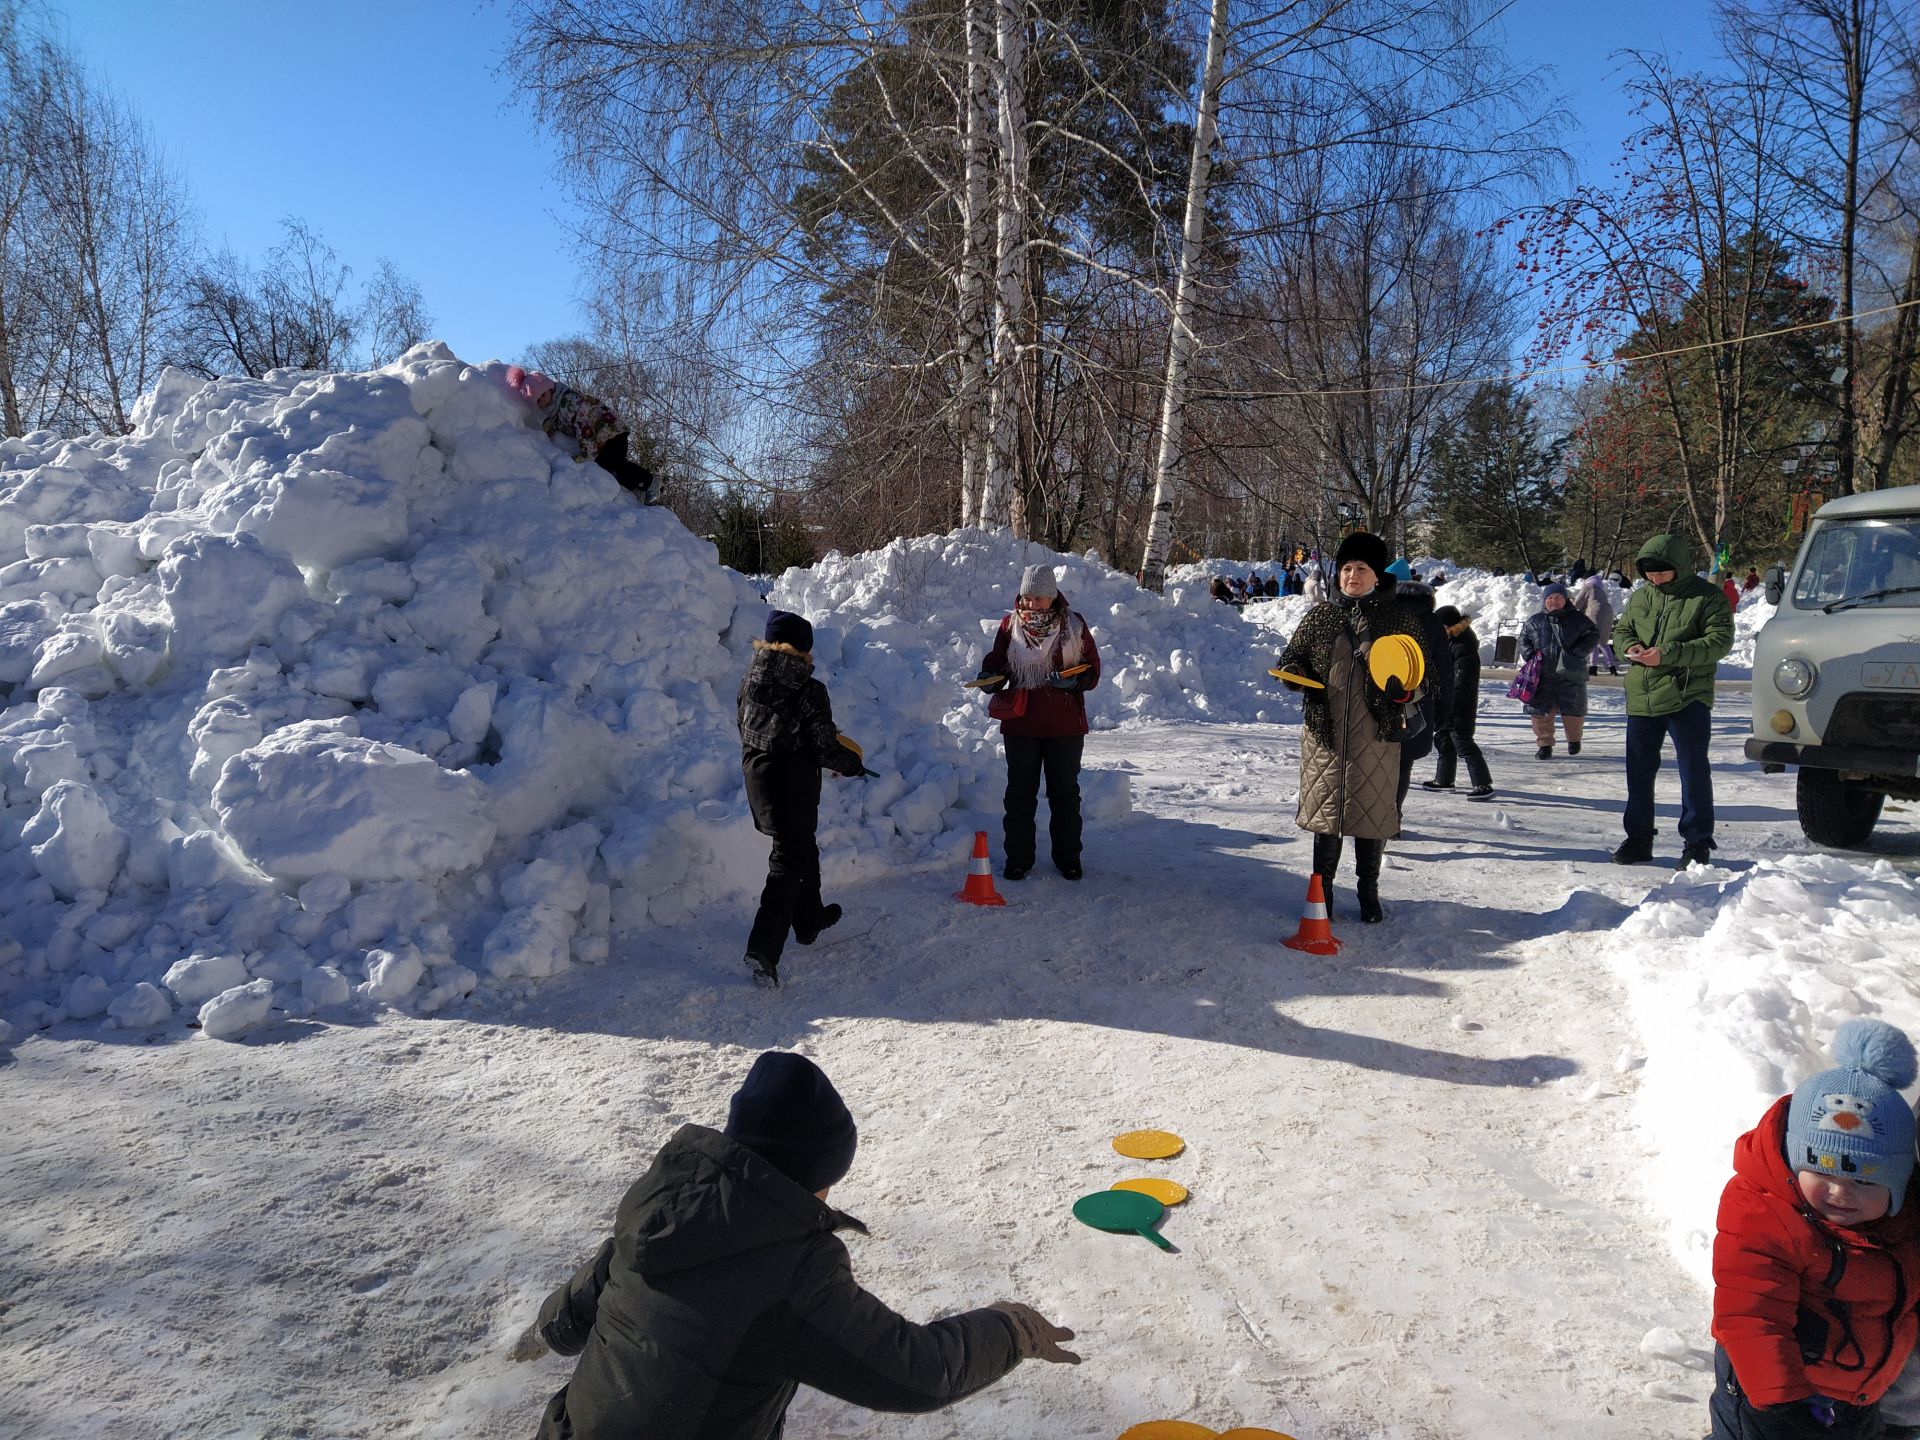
(325,686)
(1737,981)
(1181,656)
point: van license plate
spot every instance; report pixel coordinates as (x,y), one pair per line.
(1891,674)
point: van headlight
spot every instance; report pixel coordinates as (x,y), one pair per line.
(1793,678)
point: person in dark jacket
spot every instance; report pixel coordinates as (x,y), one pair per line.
(1453,737)
(786,739)
(1816,1259)
(725,1287)
(1042,712)
(1350,727)
(1674,630)
(1416,598)
(1562,638)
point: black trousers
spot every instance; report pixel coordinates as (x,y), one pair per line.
(1059,760)
(1454,744)
(784,791)
(1736,1418)
(631,475)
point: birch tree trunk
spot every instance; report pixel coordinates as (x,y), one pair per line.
(976,203)
(1010,291)
(1180,338)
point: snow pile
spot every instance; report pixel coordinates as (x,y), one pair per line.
(1749,616)
(1737,983)
(330,686)
(940,598)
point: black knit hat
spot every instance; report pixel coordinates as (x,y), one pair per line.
(786,628)
(1369,550)
(787,1112)
(1448,616)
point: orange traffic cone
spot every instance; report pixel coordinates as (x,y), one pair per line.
(979,887)
(1315,935)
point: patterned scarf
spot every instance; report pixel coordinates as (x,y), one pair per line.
(1042,642)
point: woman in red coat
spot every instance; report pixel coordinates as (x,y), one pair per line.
(1045,656)
(1815,1265)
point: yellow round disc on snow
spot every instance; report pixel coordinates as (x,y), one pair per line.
(1397,657)
(1167,1430)
(1252,1432)
(1167,1192)
(1149,1144)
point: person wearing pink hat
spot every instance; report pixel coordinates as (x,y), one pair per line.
(575,418)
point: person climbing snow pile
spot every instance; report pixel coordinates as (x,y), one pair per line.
(585,423)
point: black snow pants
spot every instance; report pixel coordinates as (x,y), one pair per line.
(1027,759)
(784,791)
(1734,1417)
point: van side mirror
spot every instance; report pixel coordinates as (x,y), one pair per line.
(1776,583)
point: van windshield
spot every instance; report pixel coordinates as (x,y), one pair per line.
(1870,561)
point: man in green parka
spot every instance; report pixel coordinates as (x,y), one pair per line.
(725,1287)
(1675,630)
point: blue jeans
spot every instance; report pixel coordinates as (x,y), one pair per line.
(1691,729)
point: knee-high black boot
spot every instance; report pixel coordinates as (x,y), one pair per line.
(1326,860)
(1367,855)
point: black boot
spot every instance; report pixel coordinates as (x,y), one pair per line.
(1367,855)
(1326,861)
(825,918)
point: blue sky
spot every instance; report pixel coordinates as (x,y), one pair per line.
(386,127)
(382,124)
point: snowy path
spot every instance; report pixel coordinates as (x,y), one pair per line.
(1416,1208)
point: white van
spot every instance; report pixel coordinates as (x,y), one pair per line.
(1836,672)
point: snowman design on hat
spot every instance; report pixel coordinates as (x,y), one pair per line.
(1841,1113)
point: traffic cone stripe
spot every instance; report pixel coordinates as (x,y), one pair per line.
(979,887)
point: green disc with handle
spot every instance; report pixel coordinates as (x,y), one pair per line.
(1122,1212)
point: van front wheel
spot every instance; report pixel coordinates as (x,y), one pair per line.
(1833,812)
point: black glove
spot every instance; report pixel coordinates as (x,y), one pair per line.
(989,681)
(1036,1337)
(1395,691)
(1063,682)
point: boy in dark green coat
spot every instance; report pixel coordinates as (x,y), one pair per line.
(726,1286)
(1674,632)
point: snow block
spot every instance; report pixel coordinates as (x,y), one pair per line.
(313,799)
(232,1013)
(73,841)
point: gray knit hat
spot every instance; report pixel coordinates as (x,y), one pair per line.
(1038,581)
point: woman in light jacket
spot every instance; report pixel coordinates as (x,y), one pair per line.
(1350,738)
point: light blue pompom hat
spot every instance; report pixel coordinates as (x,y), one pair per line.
(1850,1122)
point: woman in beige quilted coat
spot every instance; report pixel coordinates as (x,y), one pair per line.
(1350,736)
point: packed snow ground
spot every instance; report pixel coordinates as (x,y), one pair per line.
(1428,1194)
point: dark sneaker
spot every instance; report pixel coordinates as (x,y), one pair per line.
(1701,854)
(828,918)
(1593,669)
(1545,752)
(1069,871)
(1434,785)
(1634,851)
(1573,747)
(1613,669)
(1015,870)
(1480,792)
(766,973)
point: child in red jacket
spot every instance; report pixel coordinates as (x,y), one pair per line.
(1815,1265)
